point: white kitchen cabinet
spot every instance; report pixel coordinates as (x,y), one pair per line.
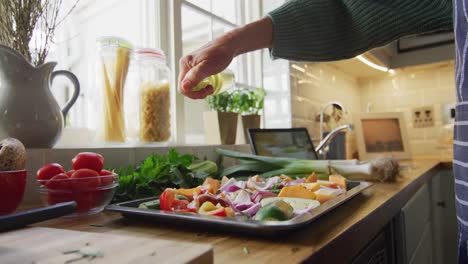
(411,225)
(426,228)
(444,222)
(423,253)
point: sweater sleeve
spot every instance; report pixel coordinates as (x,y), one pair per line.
(324,30)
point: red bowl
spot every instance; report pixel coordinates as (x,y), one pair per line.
(12,186)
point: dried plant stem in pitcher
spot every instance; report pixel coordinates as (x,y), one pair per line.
(19,19)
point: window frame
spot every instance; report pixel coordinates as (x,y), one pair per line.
(161,22)
(249,11)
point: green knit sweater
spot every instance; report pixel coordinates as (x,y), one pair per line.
(323,30)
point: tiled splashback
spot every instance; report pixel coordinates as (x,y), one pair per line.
(114,157)
(314,84)
(410,88)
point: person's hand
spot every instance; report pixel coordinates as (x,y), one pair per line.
(216,56)
(210,59)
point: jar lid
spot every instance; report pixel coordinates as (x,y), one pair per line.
(114,42)
(156,53)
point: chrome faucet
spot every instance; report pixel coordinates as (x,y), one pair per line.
(322,111)
(320,149)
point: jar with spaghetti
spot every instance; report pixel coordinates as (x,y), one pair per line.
(114,55)
(155,95)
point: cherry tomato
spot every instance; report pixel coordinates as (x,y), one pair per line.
(99,195)
(59,197)
(49,170)
(70,173)
(179,204)
(60,189)
(166,199)
(85,179)
(88,160)
(59,182)
(85,201)
(106,178)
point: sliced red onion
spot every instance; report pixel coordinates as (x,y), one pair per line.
(244,206)
(242,197)
(303,211)
(232,185)
(230,204)
(263,185)
(271,182)
(229,182)
(230,195)
(259,195)
(295,182)
(230,188)
(252,210)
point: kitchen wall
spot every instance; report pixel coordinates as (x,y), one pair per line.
(314,84)
(429,85)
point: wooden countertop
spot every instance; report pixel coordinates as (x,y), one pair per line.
(334,238)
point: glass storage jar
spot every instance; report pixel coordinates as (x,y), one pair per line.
(152,98)
(113,61)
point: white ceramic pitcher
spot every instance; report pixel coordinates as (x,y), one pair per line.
(28,110)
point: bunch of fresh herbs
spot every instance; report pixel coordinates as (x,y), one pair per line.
(158,172)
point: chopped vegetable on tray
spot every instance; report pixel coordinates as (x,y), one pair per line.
(256,198)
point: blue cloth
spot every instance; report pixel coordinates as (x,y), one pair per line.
(460,147)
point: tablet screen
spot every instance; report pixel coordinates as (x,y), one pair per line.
(293,143)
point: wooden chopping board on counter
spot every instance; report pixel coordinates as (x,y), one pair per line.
(49,245)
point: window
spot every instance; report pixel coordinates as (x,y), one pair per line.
(276,83)
(75,50)
(202,21)
(145,23)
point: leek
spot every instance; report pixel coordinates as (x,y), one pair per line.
(381,169)
(206,166)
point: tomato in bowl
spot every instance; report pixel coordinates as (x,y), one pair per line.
(91,191)
(88,184)
(12,187)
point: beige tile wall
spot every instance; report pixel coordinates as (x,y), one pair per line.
(409,88)
(319,84)
(406,89)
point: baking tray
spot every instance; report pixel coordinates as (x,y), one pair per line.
(130,210)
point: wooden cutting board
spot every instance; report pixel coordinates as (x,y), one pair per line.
(48,245)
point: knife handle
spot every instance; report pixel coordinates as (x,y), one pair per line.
(22,219)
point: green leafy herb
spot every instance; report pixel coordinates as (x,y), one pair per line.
(156,173)
(246,250)
(83,254)
(238,100)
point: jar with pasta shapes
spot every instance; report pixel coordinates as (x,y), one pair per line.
(151,123)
